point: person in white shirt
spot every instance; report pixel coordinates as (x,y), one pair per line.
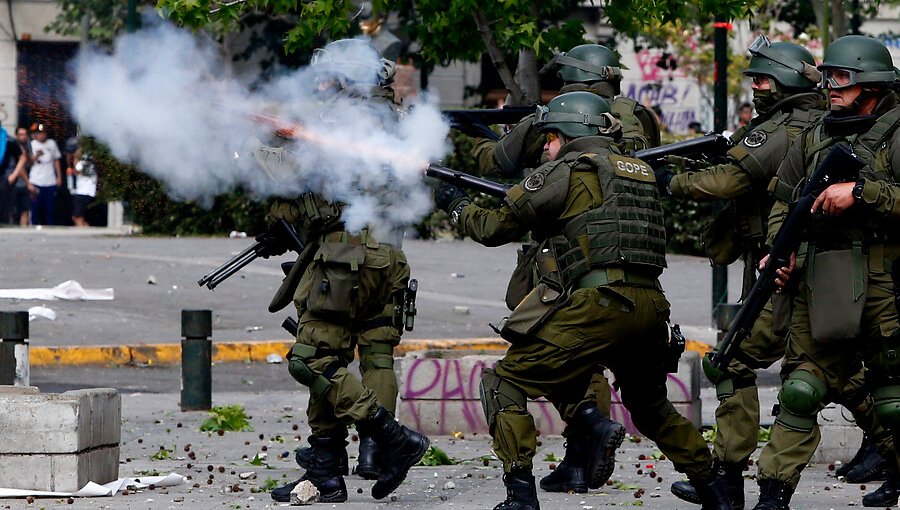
(46,176)
(85,188)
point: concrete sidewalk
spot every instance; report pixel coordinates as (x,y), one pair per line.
(152,421)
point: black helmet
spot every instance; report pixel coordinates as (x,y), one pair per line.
(577,114)
(863,59)
(789,64)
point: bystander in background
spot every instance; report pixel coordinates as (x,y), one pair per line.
(85,188)
(14,185)
(745,115)
(46,176)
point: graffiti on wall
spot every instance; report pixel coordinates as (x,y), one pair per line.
(442,396)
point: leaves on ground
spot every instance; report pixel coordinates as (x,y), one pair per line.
(622,486)
(436,457)
(230,418)
(162,454)
(551,458)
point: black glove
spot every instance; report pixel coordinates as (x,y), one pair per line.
(449,196)
(664,176)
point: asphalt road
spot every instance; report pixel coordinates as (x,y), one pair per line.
(462,286)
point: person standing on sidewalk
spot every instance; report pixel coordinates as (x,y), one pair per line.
(46,176)
(596,212)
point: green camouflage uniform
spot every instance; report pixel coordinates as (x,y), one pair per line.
(606,313)
(851,257)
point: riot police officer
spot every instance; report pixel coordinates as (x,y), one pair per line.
(845,307)
(347,287)
(595,213)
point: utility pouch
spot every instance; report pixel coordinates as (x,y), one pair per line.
(532,312)
(837,285)
(674,347)
(335,280)
(522,280)
(285,293)
(721,238)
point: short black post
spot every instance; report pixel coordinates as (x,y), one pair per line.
(196,360)
(725,314)
(13,342)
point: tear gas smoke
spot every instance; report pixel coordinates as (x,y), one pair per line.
(165,100)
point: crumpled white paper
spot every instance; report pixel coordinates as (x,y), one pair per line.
(94,490)
(41,311)
(69,290)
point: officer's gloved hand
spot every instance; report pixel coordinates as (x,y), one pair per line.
(664,176)
(451,199)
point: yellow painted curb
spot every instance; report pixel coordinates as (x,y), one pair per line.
(169,354)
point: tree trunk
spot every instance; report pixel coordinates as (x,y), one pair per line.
(517,97)
(838,19)
(527,76)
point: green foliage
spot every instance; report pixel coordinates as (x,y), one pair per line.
(162,454)
(622,486)
(105,18)
(765,433)
(257,461)
(230,418)
(156,213)
(551,458)
(266,486)
(631,16)
(709,435)
(436,457)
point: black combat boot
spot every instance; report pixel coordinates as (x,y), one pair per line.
(712,494)
(732,476)
(521,494)
(774,495)
(887,494)
(406,449)
(866,466)
(569,474)
(367,464)
(603,437)
(305,456)
(324,472)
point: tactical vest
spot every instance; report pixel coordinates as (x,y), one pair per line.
(633,136)
(627,230)
(874,148)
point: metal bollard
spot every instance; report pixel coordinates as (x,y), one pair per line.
(196,360)
(725,314)
(14,362)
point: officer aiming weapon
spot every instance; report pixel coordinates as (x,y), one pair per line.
(703,147)
(464,180)
(476,122)
(840,165)
(279,238)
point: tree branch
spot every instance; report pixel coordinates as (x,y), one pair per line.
(517,97)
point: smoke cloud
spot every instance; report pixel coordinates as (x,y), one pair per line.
(165,101)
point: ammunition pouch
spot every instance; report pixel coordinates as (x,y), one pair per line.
(887,406)
(532,312)
(522,280)
(837,288)
(499,395)
(317,383)
(335,288)
(800,400)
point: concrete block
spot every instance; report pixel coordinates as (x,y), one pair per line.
(439,393)
(840,436)
(50,423)
(59,472)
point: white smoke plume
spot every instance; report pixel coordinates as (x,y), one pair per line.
(167,102)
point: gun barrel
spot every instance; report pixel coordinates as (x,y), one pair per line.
(713,144)
(464,180)
(233,265)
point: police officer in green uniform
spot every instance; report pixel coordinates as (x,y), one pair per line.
(347,287)
(786,101)
(596,69)
(596,215)
(845,305)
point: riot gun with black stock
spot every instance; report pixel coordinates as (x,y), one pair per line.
(840,165)
(467,181)
(279,238)
(476,122)
(708,147)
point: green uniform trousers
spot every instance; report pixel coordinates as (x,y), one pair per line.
(620,327)
(381,275)
(837,364)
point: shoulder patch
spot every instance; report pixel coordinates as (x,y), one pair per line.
(534,182)
(755,139)
(631,168)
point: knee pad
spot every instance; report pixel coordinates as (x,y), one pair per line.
(887,406)
(800,399)
(498,395)
(317,383)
